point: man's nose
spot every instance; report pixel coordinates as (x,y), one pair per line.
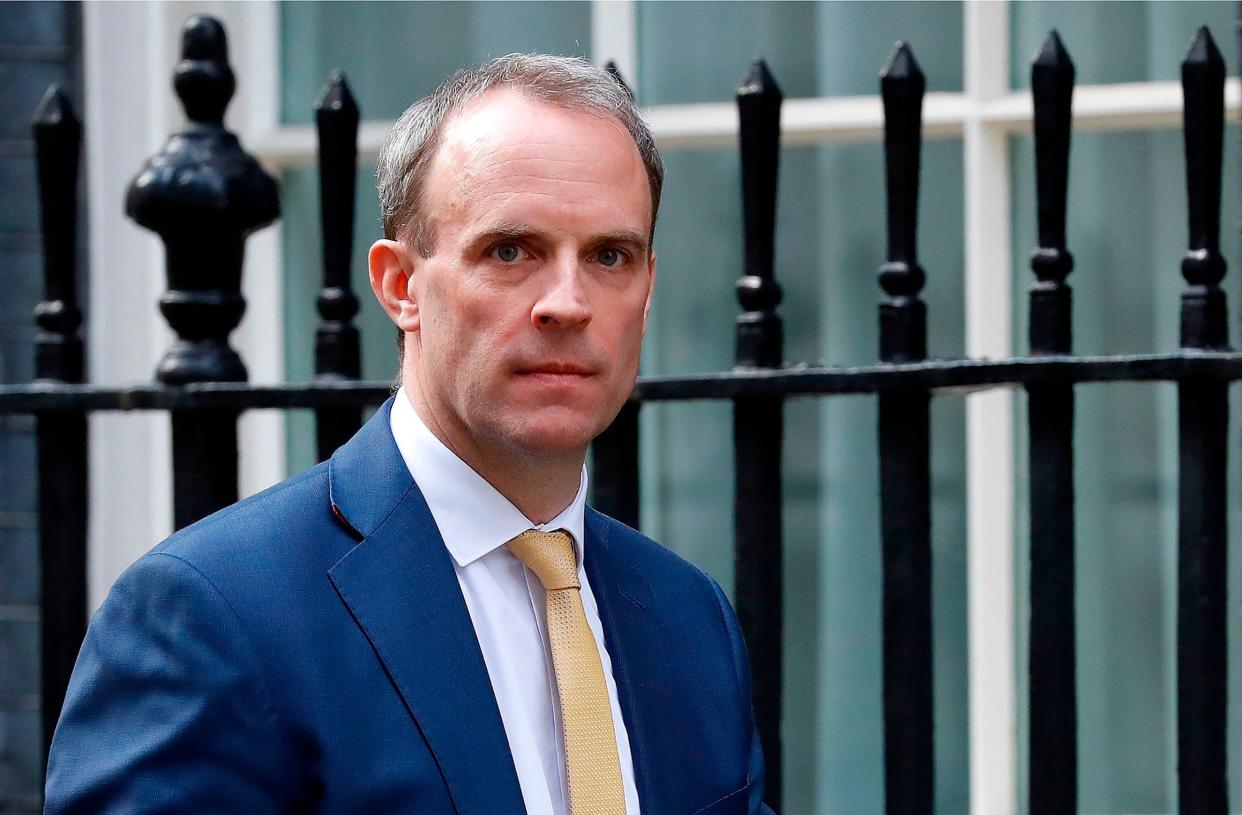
(564,303)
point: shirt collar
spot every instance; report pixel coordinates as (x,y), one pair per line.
(472,516)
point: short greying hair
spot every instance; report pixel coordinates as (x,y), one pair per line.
(570,83)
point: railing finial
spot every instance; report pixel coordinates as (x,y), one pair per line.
(1052,91)
(902,85)
(1204,323)
(759,330)
(58,137)
(203,79)
(903,332)
(336,122)
(202,194)
(337,348)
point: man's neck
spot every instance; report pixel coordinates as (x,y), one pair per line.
(540,488)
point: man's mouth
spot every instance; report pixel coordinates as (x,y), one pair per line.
(555,369)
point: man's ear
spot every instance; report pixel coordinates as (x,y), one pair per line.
(391,264)
(651,266)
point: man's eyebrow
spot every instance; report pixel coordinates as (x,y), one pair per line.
(508,230)
(515,231)
(624,236)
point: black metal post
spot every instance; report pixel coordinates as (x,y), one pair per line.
(1053,757)
(905,470)
(611,67)
(614,467)
(1203,420)
(758,424)
(202,194)
(337,355)
(61,436)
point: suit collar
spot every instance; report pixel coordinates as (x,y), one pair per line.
(367,479)
(399,585)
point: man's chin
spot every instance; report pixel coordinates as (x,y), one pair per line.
(553,439)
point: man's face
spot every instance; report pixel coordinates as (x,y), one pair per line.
(531,310)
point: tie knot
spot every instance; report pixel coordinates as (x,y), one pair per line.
(550,555)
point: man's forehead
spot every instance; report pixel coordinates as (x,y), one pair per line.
(504,116)
(505,142)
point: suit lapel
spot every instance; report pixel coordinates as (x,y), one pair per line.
(400,587)
(641,668)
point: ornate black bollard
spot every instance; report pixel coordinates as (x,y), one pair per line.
(905,455)
(758,423)
(203,195)
(61,435)
(337,356)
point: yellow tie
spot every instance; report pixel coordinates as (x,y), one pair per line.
(591,760)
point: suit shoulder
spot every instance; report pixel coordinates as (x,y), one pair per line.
(262,528)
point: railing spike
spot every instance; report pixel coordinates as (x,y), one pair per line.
(901,64)
(1053,750)
(58,136)
(902,85)
(1052,54)
(1203,82)
(1052,90)
(337,97)
(61,436)
(611,67)
(903,328)
(758,423)
(759,110)
(1203,49)
(336,122)
(904,452)
(759,81)
(337,346)
(55,108)
(1203,427)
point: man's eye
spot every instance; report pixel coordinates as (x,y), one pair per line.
(609,257)
(507,252)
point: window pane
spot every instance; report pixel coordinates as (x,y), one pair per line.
(1127,232)
(1115,41)
(699,52)
(394,53)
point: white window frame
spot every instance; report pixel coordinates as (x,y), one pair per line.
(130,456)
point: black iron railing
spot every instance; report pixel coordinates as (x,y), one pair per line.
(201,383)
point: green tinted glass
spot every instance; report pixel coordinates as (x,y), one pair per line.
(394,53)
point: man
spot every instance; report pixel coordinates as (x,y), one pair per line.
(432,622)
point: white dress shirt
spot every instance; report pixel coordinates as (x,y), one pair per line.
(506,605)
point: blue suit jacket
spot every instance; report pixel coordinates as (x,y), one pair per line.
(309,650)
